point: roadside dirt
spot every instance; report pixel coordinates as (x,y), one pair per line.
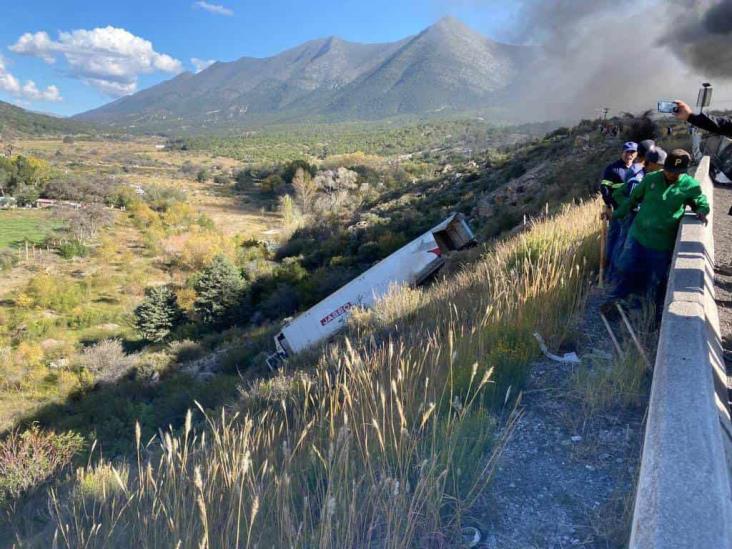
(723,269)
(565,480)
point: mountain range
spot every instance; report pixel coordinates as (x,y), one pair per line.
(446,68)
(15,119)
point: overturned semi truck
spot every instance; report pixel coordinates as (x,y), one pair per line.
(410,265)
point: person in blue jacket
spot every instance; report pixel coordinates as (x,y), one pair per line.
(633,177)
(613,179)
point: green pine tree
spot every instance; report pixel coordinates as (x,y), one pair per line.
(219,292)
(158,313)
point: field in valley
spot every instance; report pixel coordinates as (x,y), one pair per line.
(20,226)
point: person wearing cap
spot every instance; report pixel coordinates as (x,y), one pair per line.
(636,172)
(613,178)
(653,158)
(714,124)
(663,197)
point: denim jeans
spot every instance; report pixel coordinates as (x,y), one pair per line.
(642,270)
(620,237)
(611,248)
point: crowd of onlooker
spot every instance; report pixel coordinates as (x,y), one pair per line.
(646,192)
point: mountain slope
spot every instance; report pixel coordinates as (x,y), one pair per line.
(19,120)
(446,67)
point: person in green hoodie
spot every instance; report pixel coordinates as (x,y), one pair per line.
(645,259)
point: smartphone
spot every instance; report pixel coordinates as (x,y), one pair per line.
(667,106)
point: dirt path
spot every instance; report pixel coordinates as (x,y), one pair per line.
(723,268)
(565,479)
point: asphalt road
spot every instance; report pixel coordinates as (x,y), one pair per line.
(723,268)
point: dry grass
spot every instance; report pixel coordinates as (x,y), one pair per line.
(619,381)
(386,442)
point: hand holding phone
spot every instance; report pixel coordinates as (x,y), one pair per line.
(667,107)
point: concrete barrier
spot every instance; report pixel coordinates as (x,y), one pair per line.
(683,498)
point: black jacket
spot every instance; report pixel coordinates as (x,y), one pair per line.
(714,124)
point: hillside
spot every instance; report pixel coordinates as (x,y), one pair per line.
(83,374)
(446,68)
(25,122)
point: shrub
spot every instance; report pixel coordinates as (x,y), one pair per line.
(186,350)
(29,458)
(219,292)
(188,168)
(179,215)
(143,215)
(26,195)
(162,198)
(158,313)
(8,259)
(106,361)
(49,292)
(201,247)
(71,249)
(272,184)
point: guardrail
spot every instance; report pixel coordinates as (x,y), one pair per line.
(683,497)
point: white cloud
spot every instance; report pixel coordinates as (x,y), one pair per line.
(201,64)
(109,58)
(218,9)
(27,91)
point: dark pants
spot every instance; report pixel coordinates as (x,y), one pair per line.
(611,248)
(642,271)
(622,230)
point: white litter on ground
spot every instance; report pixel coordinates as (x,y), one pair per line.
(567,358)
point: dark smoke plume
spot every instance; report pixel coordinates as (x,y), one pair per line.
(701,36)
(621,54)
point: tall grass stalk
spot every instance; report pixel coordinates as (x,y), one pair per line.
(386,442)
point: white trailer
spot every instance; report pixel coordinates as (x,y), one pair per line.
(409,265)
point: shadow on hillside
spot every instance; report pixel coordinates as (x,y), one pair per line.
(108,412)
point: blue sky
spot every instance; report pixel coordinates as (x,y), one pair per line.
(68,56)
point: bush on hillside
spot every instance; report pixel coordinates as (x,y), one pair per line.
(273,184)
(186,350)
(161,198)
(30,458)
(158,314)
(106,361)
(8,259)
(70,249)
